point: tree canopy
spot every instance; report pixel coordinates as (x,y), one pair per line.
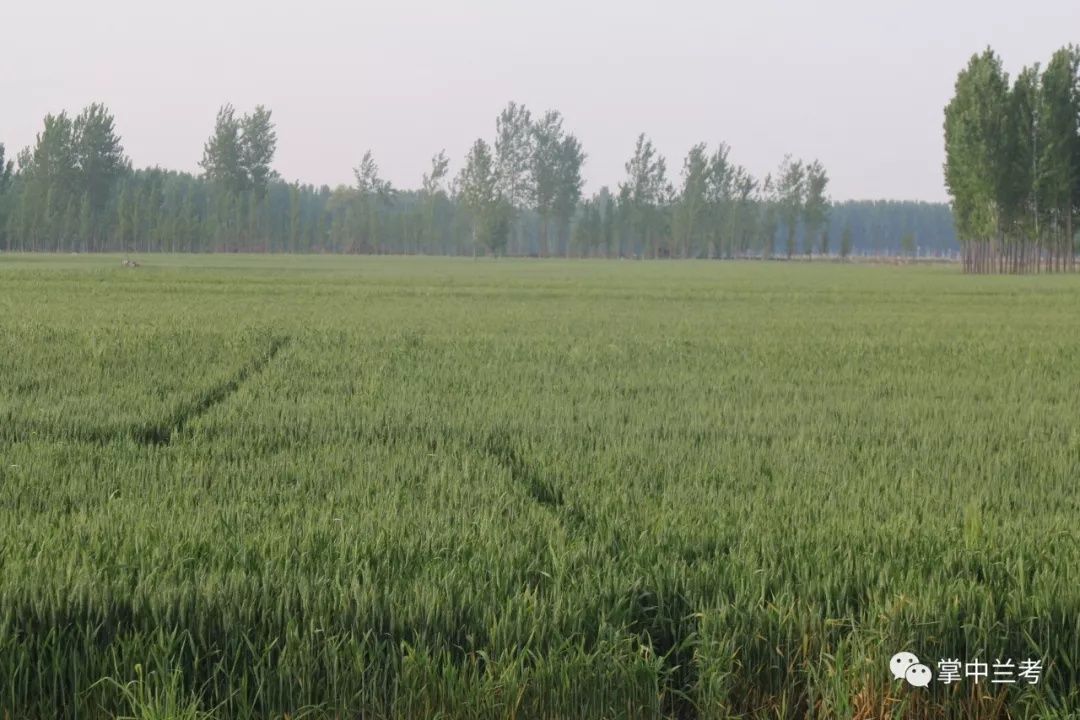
(1012,163)
(521,192)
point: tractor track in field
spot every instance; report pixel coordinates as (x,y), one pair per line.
(162,433)
(539,488)
(663,618)
(536,484)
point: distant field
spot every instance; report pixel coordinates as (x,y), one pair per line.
(413,488)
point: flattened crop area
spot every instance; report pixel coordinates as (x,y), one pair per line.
(372,487)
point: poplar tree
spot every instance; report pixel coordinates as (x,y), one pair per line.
(1059,152)
(644,193)
(976,159)
(223,154)
(545,151)
(99,154)
(720,189)
(815,205)
(693,200)
(258,143)
(513,154)
(790,188)
(569,185)
(373,192)
(7,169)
(482,194)
(846,242)
(432,191)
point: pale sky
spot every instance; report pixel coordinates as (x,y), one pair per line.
(859,84)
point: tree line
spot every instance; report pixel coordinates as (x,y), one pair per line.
(520,193)
(1012,163)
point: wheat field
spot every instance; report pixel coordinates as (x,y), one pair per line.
(253,487)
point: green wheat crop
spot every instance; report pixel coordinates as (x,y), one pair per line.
(413,488)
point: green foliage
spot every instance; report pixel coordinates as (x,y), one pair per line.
(568,192)
(514,154)
(693,200)
(791,191)
(99,155)
(382,487)
(878,226)
(223,154)
(257,147)
(153,698)
(240,204)
(364,207)
(7,169)
(816,203)
(545,151)
(491,210)
(1013,163)
(908,244)
(589,231)
(644,195)
(238,155)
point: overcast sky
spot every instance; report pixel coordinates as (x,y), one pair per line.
(859,84)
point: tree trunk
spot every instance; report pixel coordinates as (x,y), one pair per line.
(1070,240)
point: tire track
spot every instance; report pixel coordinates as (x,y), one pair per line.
(538,486)
(162,433)
(153,432)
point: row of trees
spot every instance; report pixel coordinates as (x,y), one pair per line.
(1013,163)
(69,174)
(520,194)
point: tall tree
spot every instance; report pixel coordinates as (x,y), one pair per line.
(7,168)
(645,191)
(607,220)
(1021,224)
(976,166)
(373,192)
(744,186)
(6,173)
(100,160)
(481,194)
(513,159)
(1059,151)
(570,184)
(99,154)
(791,188)
(223,153)
(693,200)
(815,205)
(770,216)
(719,196)
(545,152)
(513,153)
(51,173)
(432,189)
(258,143)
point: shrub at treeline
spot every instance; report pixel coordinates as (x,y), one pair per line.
(1013,163)
(75,191)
